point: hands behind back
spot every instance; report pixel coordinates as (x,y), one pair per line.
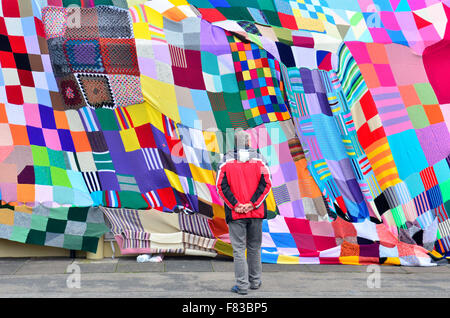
(244,208)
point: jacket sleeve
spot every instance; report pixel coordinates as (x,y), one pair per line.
(224,190)
(264,186)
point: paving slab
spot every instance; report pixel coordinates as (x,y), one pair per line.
(337,268)
(284,268)
(9,266)
(97,266)
(392,269)
(430,269)
(187,264)
(222,265)
(130,265)
(35,266)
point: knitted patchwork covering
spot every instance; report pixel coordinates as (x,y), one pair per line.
(86,40)
(293,241)
(141,231)
(130,106)
(69,228)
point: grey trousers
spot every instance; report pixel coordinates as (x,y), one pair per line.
(246,234)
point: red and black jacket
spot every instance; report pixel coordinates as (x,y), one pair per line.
(244,182)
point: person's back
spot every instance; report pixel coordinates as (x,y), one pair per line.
(247,181)
(243,182)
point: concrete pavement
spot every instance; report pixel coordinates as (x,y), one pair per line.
(198,277)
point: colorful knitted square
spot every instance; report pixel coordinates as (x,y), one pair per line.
(58,59)
(258,75)
(119,56)
(87,25)
(96,90)
(55,21)
(71,93)
(114,22)
(84,55)
(126,89)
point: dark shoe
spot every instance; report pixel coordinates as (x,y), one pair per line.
(239,291)
(255,286)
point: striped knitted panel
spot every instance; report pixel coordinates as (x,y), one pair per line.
(281,194)
(135,244)
(137,235)
(198,242)
(123,221)
(238,120)
(195,224)
(421,203)
(397,195)
(178,56)
(296,149)
(383,164)
(434,196)
(196,248)
(443,244)
(428,177)
(350,76)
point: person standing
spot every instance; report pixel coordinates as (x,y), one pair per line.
(243,182)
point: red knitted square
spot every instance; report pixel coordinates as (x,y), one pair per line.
(71,93)
(26,78)
(14,94)
(119,56)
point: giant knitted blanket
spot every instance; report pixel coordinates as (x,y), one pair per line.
(114,115)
